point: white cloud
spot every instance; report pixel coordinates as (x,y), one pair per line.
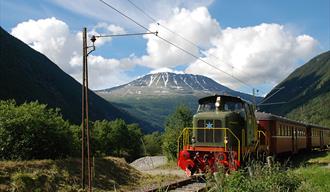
(197,26)
(53,38)
(49,36)
(103,72)
(165,69)
(265,53)
(160,9)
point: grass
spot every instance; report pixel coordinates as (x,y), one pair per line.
(111,174)
(316,178)
(313,174)
(169,165)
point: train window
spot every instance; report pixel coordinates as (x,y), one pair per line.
(290,130)
(217,123)
(200,123)
(286,130)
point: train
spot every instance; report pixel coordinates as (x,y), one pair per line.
(228,131)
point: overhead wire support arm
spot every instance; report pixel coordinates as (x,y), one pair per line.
(127,34)
(94,37)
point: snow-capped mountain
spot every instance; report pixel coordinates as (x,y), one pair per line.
(172,84)
(155,96)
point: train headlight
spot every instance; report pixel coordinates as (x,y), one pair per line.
(193,140)
(225,141)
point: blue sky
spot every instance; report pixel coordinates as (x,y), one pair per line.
(259,42)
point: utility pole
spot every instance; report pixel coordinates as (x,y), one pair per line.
(85,131)
(83,109)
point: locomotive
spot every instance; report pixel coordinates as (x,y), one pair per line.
(227,131)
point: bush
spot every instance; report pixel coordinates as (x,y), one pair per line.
(32,131)
(260,178)
(117,138)
(153,144)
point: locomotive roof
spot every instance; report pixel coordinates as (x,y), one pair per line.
(213,99)
(269,116)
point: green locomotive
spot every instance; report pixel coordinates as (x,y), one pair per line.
(224,130)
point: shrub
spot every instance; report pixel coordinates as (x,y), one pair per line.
(260,178)
(117,138)
(153,144)
(32,131)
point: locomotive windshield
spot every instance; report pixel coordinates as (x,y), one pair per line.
(219,103)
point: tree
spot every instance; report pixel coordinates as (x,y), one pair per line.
(134,147)
(117,138)
(153,143)
(176,122)
(102,143)
(32,131)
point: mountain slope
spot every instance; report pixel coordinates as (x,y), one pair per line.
(27,75)
(306,91)
(154,96)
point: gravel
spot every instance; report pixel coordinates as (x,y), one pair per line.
(148,163)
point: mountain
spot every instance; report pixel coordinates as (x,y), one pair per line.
(306,92)
(165,84)
(27,75)
(154,96)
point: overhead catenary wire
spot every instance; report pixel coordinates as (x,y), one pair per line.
(173,44)
(163,26)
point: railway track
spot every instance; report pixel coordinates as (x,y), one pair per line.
(192,184)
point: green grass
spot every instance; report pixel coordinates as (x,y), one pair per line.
(313,174)
(316,178)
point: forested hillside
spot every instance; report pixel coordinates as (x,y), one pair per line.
(306,92)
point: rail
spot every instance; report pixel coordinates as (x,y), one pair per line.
(186,133)
(191,184)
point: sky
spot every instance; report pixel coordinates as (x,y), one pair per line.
(242,44)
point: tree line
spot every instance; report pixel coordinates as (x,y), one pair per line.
(34,131)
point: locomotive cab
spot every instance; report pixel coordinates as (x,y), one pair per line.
(218,112)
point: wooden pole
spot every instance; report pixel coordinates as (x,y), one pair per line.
(83,111)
